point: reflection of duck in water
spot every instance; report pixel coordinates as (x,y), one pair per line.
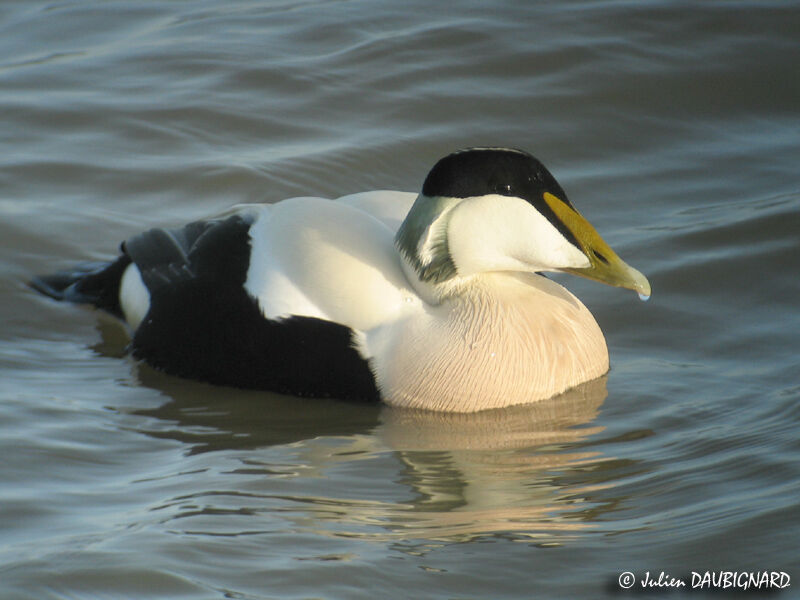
(429,301)
(498,471)
(384,472)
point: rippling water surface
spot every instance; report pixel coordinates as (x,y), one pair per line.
(674,128)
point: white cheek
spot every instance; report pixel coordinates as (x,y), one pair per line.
(501,233)
(547,247)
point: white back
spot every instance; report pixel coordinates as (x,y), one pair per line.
(328,259)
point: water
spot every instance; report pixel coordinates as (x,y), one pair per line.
(673,127)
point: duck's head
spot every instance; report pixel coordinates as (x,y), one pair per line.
(499,209)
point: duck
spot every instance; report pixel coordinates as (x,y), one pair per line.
(436,300)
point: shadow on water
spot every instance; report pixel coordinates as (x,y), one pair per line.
(208,418)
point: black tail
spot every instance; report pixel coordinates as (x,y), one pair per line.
(88,283)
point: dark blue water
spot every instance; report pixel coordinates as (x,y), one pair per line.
(672,126)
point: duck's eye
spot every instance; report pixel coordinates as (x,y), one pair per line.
(503,189)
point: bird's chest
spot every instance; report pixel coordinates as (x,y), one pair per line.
(490,352)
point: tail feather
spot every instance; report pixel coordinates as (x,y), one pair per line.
(94,283)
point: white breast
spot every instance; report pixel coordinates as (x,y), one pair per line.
(510,339)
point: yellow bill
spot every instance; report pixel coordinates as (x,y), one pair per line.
(604,264)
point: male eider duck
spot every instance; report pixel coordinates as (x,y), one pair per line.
(432,301)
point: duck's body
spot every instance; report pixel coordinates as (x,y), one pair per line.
(384,294)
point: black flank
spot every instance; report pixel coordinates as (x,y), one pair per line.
(203,325)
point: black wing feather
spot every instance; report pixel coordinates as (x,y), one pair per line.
(165,256)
